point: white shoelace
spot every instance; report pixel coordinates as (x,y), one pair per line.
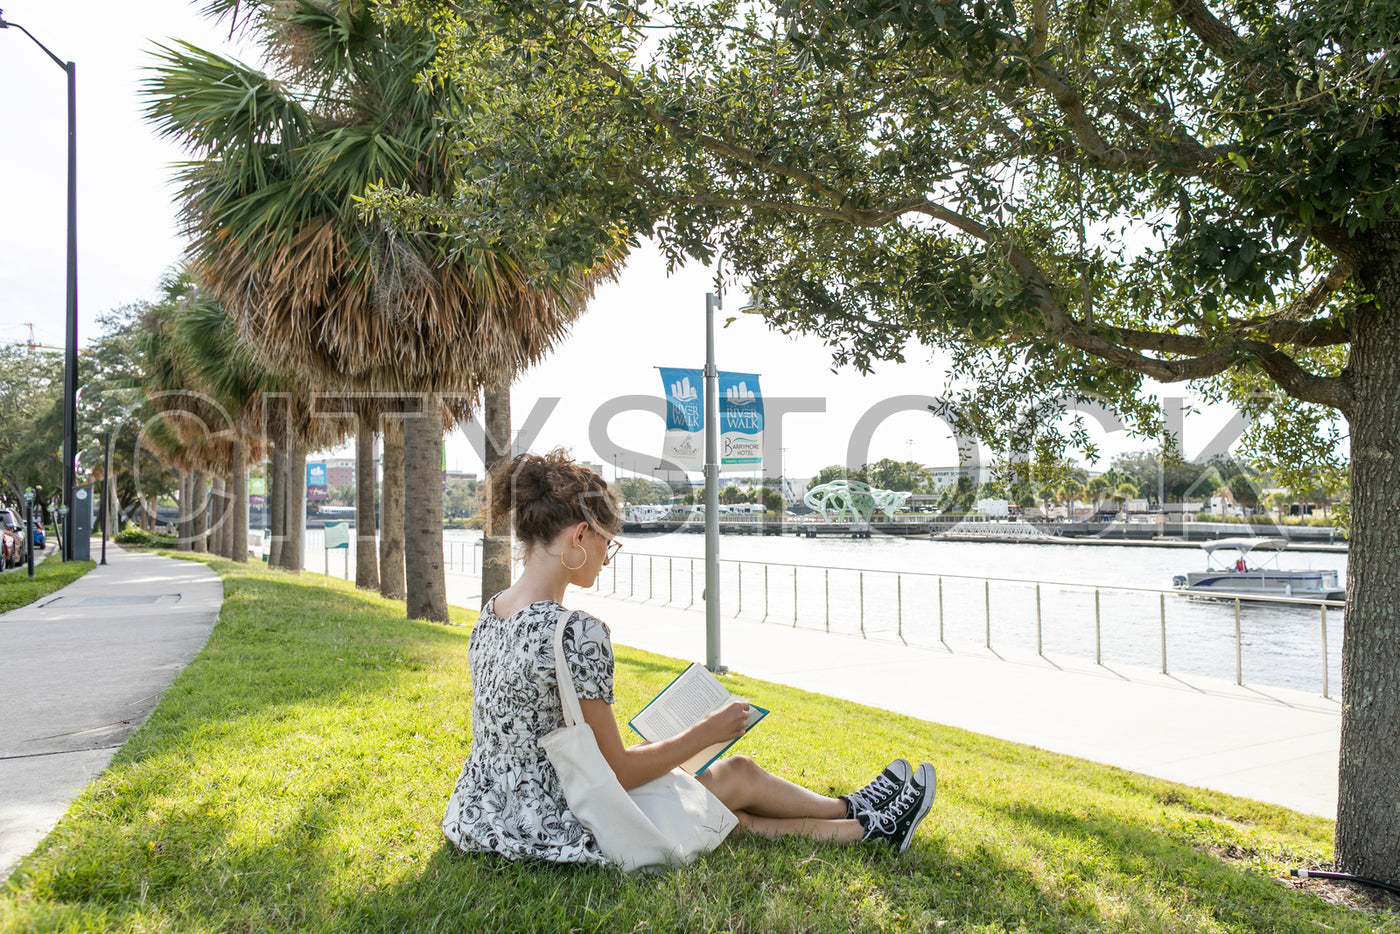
(883,822)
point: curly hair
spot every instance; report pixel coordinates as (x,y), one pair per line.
(544,493)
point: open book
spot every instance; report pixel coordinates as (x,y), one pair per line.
(681,704)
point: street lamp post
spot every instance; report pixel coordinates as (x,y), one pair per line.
(70,357)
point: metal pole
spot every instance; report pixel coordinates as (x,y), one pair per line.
(940,611)
(862,603)
(765,593)
(1039,640)
(794,596)
(828,600)
(712,595)
(740,608)
(1324,650)
(899,604)
(1239,669)
(1163,598)
(631,575)
(987,602)
(70,350)
(670,581)
(29,530)
(107,491)
(1098,632)
(651,578)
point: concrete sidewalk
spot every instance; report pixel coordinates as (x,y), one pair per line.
(1268,744)
(80,670)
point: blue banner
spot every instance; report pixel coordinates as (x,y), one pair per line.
(685,417)
(740,420)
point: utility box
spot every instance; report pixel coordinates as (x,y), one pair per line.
(81,518)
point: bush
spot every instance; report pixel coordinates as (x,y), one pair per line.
(132,534)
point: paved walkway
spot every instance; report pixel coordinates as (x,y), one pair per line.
(80,670)
(1268,744)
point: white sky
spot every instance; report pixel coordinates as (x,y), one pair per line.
(127,239)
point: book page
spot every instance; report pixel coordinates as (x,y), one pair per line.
(689,698)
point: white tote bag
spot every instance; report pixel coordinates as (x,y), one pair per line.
(669,821)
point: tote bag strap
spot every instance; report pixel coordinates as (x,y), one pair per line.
(568,694)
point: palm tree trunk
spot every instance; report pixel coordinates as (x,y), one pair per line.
(238,502)
(495,543)
(425,582)
(391,557)
(199,502)
(366,557)
(218,519)
(295,517)
(184,525)
(277,502)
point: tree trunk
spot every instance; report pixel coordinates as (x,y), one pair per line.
(391,558)
(425,581)
(495,542)
(1368,805)
(238,502)
(184,524)
(366,556)
(277,503)
(295,517)
(218,524)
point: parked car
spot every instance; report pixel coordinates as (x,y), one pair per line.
(12,538)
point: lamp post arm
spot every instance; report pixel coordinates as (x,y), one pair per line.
(6,24)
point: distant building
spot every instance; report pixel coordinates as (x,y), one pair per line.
(459,475)
(947,476)
(340,471)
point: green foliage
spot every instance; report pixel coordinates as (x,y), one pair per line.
(293,778)
(132,534)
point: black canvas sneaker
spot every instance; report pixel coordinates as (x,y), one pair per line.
(896,823)
(881,791)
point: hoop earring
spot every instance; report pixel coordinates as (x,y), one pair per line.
(581,563)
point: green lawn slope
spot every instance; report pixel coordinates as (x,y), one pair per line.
(293,779)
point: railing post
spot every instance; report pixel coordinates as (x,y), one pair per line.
(1324,650)
(692,583)
(651,578)
(1163,598)
(765,593)
(940,612)
(1039,640)
(899,605)
(1239,668)
(794,596)
(862,604)
(670,581)
(828,600)
(631,575)
(740,608)
(1098,631)
(987,603)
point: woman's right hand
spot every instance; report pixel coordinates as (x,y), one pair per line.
(727,723)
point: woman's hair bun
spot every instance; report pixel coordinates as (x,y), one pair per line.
(543,493)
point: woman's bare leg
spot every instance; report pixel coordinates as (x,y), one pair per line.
(830,831)
(743,785)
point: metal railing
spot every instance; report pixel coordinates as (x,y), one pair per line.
(916,607)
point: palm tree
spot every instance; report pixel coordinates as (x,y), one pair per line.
(348,305)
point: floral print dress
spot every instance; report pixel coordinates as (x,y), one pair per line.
(508,799)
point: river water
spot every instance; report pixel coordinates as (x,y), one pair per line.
(966,594)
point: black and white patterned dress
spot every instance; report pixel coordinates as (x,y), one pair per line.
(508,799)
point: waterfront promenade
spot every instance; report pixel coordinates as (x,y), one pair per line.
(1270,744)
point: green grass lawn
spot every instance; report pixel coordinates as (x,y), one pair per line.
(17,589)
(293,779)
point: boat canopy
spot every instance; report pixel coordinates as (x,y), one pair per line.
(1245,545)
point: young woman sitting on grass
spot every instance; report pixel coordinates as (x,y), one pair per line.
(508,799)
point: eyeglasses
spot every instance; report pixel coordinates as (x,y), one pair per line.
(614,547)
